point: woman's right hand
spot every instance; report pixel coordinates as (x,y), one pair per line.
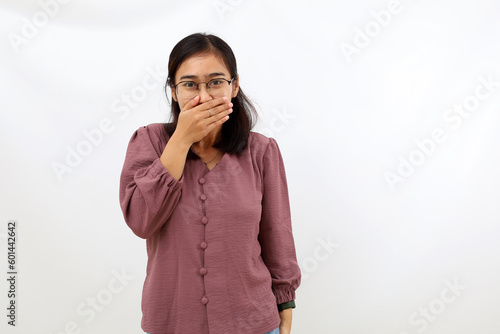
(195,121)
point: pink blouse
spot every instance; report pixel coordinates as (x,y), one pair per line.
(221,254)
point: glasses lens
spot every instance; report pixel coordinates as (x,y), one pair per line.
(187,89)
(217,83)
(218,86)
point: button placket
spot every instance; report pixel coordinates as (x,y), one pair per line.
(203,245)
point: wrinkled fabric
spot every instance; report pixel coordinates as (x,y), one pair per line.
(221,253)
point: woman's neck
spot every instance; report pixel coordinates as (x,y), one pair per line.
(205,146)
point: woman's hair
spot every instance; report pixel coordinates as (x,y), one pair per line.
(236,129)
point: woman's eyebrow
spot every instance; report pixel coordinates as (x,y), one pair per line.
(216,74)
(188,77)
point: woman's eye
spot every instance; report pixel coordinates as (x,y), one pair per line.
(216,83)
(189,85)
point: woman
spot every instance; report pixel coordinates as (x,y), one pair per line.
(210,197)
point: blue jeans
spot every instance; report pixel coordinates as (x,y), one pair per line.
(276,331)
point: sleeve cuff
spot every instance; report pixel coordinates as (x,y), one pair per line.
(284,306)
(158,170)
(283,296)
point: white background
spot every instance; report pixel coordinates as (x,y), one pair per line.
(376,257)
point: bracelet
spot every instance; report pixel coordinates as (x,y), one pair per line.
(284,306)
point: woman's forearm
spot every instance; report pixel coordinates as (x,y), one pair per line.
(286,321)
(174,156)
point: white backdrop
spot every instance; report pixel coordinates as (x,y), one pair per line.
(386,113)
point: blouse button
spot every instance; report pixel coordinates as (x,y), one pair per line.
(203,271)
(203,245)
(204,300)
(203,197)
(202,180)
(204,220)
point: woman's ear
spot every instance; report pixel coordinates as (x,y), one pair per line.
(236,84)
(174,96)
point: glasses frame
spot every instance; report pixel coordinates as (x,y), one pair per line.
(229,82)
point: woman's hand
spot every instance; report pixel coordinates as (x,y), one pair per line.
(195,121)
(286,321)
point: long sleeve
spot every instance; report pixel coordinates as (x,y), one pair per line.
(275,234)
(148,193)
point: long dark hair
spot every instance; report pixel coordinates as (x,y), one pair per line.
(236,129)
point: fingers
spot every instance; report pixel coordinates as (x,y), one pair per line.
(219,115)
(205,117)
(217,120)
(219,109)
(192,103)
(213,105)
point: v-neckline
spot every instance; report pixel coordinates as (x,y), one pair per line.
(207,170)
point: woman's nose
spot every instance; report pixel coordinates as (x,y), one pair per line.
(204,93)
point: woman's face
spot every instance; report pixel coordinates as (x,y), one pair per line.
(202,69)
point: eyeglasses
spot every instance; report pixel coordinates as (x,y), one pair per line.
(189,89)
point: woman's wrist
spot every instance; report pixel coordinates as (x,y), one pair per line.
(179,142)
